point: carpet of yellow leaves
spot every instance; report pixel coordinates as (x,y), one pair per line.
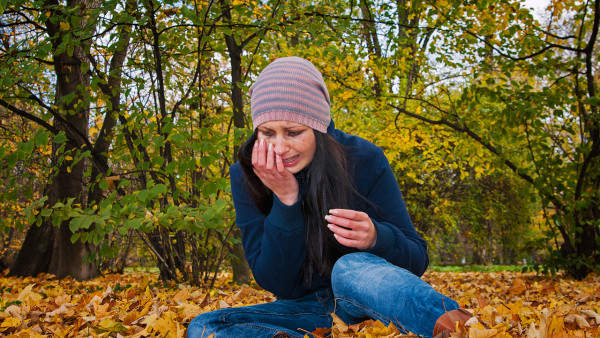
(137,305)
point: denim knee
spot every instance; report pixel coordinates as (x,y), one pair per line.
(200,325)
(345,267)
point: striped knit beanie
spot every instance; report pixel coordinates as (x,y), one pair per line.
(290,89)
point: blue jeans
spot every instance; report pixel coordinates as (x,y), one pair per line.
(363,286)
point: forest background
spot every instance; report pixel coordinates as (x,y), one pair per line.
(119,120)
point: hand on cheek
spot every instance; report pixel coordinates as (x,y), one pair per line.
(270,170)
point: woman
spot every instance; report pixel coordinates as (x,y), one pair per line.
(323,223)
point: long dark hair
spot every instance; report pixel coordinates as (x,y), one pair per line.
(328,186)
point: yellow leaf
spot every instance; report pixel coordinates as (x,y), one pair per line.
(10,322)
(188,311)
(486,333)
(101,310)
(181,295)
(27,295)
(150,319)
(130,317)
(65,26)
(108,325)
(26,291)
(556,325)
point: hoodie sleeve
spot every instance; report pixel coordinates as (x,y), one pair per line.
(273,243)
(397,240)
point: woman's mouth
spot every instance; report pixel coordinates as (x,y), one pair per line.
(288,162)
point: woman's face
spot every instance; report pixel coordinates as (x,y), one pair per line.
(294,142)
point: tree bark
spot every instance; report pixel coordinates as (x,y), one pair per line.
(241,269)
(49,248)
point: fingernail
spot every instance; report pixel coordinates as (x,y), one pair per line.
(327,217)
(333,211)
(262,143)
(270,146)
(330,227)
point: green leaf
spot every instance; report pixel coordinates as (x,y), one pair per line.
(41,138)
(177,137)
(75,237)
(123,183)
(28,146)
(171,167)
(74,225)
(206,161)
(134,223)
(143,195)
(158,189)
(60,138)
(122,230)
(97,239)
(103,184)
(158,161)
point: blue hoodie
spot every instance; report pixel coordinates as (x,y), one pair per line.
(274,243)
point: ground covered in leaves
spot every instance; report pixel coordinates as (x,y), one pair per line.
(136,304)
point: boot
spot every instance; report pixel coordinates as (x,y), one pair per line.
(446,324)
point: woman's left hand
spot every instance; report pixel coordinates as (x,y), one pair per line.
(352,228)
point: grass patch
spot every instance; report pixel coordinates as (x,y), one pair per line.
(148,269)
(477,268)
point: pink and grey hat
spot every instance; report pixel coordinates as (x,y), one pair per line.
(291,89)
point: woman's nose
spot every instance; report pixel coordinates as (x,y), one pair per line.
(280,146)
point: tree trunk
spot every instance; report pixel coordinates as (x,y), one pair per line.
(34,256)
(241,269)
(48,248)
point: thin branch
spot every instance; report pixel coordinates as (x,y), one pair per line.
(27,21)
(478,139)
(57,116)
(522,58)
(537,169)
(29,116)
(199,65)
(158,256)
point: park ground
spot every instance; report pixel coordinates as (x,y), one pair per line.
(137,304)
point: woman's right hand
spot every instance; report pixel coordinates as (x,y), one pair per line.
(269,168)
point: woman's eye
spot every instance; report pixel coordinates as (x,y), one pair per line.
(294,133)
(266,133)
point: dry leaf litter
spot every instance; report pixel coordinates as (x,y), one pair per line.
(136,304)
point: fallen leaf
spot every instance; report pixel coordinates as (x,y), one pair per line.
(519,286)
(592,314)
(339,324)
(577,319)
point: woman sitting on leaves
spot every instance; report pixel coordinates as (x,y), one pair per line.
(324,226)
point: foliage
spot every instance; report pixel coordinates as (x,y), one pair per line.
(487,78)
(438,85)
